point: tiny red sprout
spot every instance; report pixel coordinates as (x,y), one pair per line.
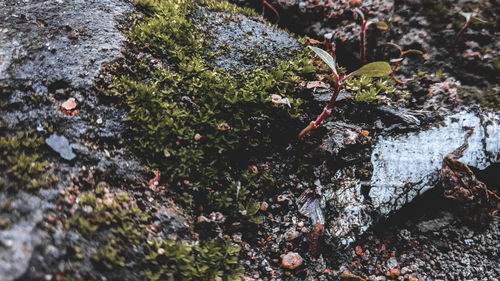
(374,69)
(266,4)
(470,18)
(364,25)
(398,60)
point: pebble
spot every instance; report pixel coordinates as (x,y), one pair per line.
(69,104)
(291,234)
(60,144)
(291,260)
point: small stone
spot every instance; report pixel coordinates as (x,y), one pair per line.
(291,234)
(358,250)
(224,126)
(99,121)
(291,260)
(60,144)
(69,104)
(355,2)
(348,276)
(161,251)
(264,206)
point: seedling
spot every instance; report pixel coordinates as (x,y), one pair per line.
(266,4)
(364,25)
(470,18)
(374,69)
(397,61)
(327,42)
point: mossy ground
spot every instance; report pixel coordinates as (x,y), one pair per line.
(203,128)
(22,162)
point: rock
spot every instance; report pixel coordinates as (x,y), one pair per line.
(59,44)
(69,104)
(393,183)
(291,260)
(291,234)
(19,240)
(435,224)
(262,43)
(60,144)
(346,275)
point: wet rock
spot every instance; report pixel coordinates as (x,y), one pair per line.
(394,184)
(60,144)
(57,44)
(242,43)
(291,260)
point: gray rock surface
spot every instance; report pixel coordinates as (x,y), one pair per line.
(46,46)
(243,43)
(61,145)
(58,43)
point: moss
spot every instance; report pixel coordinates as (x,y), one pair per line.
(440,75)
(224,6)
(199,126)
(369,90)
(107,213)
(169,260)
(176,112)
(487,99)
(22,164)
(118,232)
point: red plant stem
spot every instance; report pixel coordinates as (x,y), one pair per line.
(339,85)
(459,35)
(362,43)
(264,4)
(328,109)
(396,65)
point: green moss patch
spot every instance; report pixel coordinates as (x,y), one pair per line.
(200,125)
(21,162)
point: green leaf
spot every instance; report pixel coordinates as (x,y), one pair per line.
(326,57)
(374,69)
(381,25)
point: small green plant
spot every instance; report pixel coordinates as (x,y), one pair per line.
(171,260)
(374,69)
(470,18)
(369,90)
(398,60)
(364,25)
